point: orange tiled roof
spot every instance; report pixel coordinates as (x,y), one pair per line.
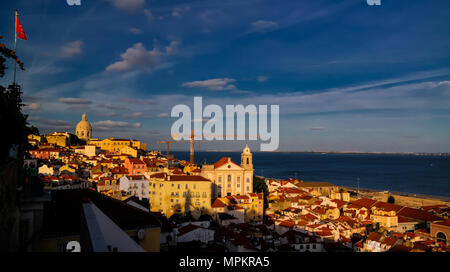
(418,214)
(387,206)
(364,202)
(223,161)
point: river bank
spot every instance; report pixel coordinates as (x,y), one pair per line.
(403,199)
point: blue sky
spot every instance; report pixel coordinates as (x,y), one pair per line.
(347,76)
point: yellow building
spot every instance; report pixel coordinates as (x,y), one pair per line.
(386,219)
(124,146)
(58,138)
(341,195)
(179,194)
(138,145)
(252,205)
(35,139)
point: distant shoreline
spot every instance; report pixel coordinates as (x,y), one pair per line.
(420,196)
(331,152)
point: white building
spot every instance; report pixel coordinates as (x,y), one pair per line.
(192,232)
(136,185)
(88,150)
(48,170)
(230,178)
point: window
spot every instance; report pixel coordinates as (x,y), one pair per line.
(440,237)
(220,178)
(248,180)
(179,186)
(229,178)
(314,246)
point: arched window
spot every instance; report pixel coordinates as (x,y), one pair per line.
(248,161)
(440,237)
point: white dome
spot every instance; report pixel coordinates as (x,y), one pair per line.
(84,129)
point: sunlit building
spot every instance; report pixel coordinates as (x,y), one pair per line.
(230,178)
(172,194)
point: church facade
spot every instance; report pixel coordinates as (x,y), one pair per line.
(230,178)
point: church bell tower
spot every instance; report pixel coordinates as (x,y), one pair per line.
(247,159)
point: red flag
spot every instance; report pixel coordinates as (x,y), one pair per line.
(19,30)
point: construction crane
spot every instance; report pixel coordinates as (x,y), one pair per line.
(191,141)
(168,142)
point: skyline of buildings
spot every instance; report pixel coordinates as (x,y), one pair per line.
(366,83)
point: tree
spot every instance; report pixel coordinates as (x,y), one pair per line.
(11,116)
(260,186)
(391,199)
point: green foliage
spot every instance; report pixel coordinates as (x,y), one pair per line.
(11,116)
(391,199)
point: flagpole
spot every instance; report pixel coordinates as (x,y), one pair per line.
(15,45)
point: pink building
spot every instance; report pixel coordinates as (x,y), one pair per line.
(135,166)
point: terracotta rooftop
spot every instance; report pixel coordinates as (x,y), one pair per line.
(223,161)
(418,214)
(387,206)
(373,236)
(364,202)
(187,178)
(135,161)
(443,223)
(315,184)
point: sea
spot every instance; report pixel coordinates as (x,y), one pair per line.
(400,173)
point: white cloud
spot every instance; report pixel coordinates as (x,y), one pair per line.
(128,5)
(73,101)
(262,78)
(71,49)
(137,57)
(172,47)
(110,125)
(263,26)
(51,124)
(161,115)
(32,106)
(137,115)
(149,14)
(215,84)
(178,12)
(135,31)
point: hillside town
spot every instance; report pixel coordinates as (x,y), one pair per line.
(135,199)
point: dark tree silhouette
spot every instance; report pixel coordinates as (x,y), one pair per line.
(260,186)
(11,116)
(391,199)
